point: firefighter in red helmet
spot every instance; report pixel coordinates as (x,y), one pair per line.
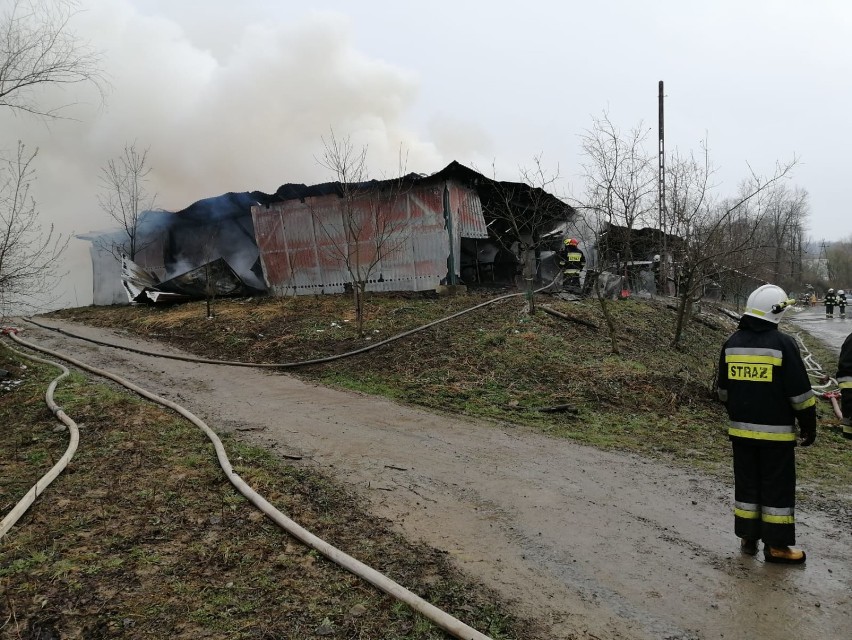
(572,261)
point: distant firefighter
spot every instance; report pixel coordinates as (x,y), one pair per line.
(830,301)
(841,303)
(572,261)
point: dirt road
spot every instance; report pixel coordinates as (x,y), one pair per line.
(596,545)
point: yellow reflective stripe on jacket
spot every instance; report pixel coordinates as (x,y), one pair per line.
(844,383)
(745,359)
(798,406)
(762,435)
(754,355)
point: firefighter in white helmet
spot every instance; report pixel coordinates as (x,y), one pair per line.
(841,303)
(765,387)
(830,301)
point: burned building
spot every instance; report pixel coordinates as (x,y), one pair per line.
(173,246)
(408,234)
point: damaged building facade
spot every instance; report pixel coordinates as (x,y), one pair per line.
(414,233)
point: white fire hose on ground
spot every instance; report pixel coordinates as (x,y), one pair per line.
(36,490)
(440,618)
(815,370)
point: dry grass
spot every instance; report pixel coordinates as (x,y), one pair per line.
(143,537)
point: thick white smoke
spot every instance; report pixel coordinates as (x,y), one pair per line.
(249,116)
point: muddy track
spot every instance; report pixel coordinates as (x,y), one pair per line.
(592,544)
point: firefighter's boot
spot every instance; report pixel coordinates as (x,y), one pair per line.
(748,546)
(784,555)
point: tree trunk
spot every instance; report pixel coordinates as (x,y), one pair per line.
(610,323)
(531,295)
(359,290)
(682,308)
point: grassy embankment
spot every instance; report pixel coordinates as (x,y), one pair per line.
(501,364)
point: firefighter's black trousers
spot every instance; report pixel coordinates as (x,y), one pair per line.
(765,491)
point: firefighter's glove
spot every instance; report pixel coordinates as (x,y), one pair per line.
(808,435)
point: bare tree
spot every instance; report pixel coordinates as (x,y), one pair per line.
(38,50)
(523,213)
(210,235)
(710,234)
(367,230)
(781,232)
(839,256)
(619,195)
(125,197)
(620,181)
(28,253)
(593,222)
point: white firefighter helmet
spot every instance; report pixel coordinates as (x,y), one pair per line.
(768,303)
(831,290)
(840,292)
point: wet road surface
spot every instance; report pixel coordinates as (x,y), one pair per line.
(832,331)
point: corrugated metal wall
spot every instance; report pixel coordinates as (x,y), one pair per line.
(302,244)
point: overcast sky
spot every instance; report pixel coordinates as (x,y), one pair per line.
(236,96)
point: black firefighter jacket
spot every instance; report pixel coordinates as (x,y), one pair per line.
(764,384)
(844,381)
(572,260)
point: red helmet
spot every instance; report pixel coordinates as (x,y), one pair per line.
(570,242)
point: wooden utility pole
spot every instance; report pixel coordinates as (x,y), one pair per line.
(661,178)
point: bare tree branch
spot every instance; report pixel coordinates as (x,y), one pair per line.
(125,198)
(38,50)
(367,231)
(28,255)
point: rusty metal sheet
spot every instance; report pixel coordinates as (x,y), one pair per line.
(467,207)
(303,244)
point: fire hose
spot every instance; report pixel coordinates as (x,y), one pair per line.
(287,365)
(38,488)
(442,619)
(439,617)
(824,381)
